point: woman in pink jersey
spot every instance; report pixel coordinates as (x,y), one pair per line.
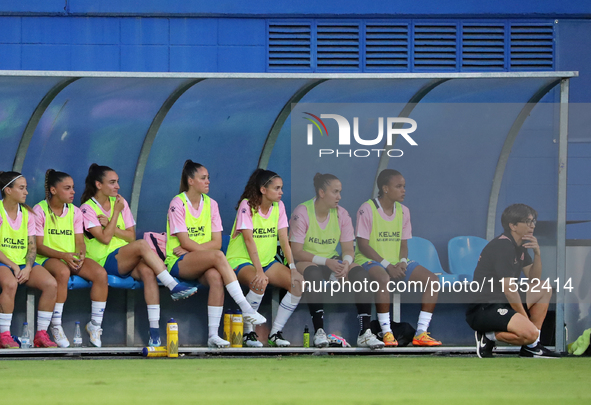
(317,227)
(194,240)
(110,240)
(260,222)
(17,261)
(59,195)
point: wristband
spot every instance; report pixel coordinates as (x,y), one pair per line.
(404,260)
(385,263)
(319,260)
(348,258)
(292,266)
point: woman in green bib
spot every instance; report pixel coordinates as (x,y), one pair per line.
(383,228)
(261,221)
(17,261)
(317,226)
(62,251)
(194,240)
(110,241)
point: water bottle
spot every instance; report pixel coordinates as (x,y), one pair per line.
(306,336)
(228,325)
(25,337)
(77,341)
(237,329)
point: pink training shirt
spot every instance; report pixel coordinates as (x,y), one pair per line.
(40,220)
(244,220)
(91,218)
(19,217)
(365,220)
(176,215)
(300,222)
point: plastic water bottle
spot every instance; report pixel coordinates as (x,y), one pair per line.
(306,336)
(77,341)
(25,337)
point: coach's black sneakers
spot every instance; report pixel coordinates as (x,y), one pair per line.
(539,352)
(484,346)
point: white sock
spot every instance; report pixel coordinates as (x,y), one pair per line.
(5,321)
(384,320)
(43,320)
(534,344)
(254,300)
(288,304)
(97,312)
(56,318)
(214,316)
(491,336)
(238,296)
(167,280)
(424,321)
(154,315)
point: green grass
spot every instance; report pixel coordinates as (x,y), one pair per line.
(298,380)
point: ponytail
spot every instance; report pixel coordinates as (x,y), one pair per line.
(52,179)
(321,181)
(95,173)
(189,170)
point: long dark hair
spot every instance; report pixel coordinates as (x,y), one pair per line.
(95,173)
(252,191)
(7,180)
(189,170)
(321,181)
(384,178)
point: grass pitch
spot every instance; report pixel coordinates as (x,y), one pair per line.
(298,380)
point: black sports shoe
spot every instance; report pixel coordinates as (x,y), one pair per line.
(484,346)
(538,352)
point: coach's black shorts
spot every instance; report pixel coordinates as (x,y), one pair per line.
(490,317)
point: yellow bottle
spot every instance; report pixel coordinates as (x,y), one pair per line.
(228,326)
(154,351)
(237,329)
(172,338)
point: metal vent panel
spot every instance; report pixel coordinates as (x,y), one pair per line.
(387,46)
(338,46)
(290,45)
(483,47)
(435,46)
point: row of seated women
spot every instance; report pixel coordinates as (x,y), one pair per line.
(42,247)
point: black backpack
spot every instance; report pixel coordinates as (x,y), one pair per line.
(403,332)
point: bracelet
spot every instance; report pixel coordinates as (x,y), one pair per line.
(292,266)
(404,260)
(385,263)
(348,258)
(319,260)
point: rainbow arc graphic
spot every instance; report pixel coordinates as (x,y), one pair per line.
(316,123)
